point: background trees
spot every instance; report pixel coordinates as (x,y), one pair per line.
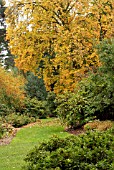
(57,38)
(6,59)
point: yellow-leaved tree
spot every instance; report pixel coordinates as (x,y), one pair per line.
(57,38)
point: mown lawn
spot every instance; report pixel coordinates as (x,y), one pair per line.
(12,155)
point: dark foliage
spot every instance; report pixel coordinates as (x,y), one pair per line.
(35,87)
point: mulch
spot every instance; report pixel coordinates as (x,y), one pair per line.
(77,131)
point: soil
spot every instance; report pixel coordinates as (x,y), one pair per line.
(6,140)
(77,131)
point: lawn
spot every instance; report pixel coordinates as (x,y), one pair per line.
(12,155)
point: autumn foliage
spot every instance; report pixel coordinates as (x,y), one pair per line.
(11,89)
(56,39)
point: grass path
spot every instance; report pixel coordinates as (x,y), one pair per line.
(12,155)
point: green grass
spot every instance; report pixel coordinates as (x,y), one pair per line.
(12,155)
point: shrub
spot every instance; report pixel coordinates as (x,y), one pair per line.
(36,108)
(17,120)
(5,110)
(99,93)
(72,109)
(93,99)
(51,105)
(1,131)
(90,151)
(6,130)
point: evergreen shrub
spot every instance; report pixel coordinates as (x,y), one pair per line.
(90,151)
(36,108)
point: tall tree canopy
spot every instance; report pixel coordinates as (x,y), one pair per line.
(56,38)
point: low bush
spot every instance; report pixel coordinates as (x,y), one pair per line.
(1,131)
(5,110)
(17,120)
(90,151)
(6,130)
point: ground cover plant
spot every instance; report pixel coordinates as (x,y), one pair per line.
(12,155)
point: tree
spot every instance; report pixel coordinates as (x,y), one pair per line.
(2,29)
(5,55)
(56,38)
(35,87)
